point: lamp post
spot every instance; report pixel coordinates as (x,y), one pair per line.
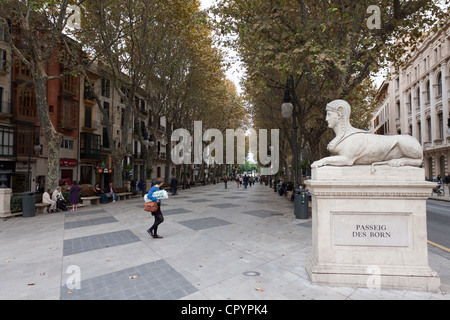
(28,199)
(288,109)
(37,148)
(147,143)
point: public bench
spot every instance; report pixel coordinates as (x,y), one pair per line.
(42,207)
(89,198)
(122,193)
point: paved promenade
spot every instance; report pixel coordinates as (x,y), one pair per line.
(218,244)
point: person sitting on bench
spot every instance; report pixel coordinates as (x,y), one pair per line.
(99,192)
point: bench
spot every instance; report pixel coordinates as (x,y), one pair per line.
(122,193)
(42,207)
(90,201)
(89,198)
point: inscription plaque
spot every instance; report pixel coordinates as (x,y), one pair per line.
(359,229)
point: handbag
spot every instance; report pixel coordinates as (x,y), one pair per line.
(151,206)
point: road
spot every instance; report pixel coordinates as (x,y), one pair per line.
(438,223)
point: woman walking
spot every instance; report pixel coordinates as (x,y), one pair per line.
(153,231)
(74,197)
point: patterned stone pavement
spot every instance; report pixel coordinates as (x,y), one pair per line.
(218,244)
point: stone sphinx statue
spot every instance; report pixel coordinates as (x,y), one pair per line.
(353,146)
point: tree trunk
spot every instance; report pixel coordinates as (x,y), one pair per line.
(52,138)
(117,157)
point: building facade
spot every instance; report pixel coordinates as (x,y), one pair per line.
(85,153)
(416,102)
(7,129)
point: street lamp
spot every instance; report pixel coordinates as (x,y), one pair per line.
(287,110)
(37,148)
(147,143)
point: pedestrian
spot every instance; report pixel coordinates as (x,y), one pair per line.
(237,182)
(58,197)
(111,192)
(225,180)
(46,199)
(173,185)
(153,231)
(245,181)
(74,195)
(99,192)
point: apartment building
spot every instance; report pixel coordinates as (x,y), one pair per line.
(85,153)
(7,132)
(416,102)
(95,163)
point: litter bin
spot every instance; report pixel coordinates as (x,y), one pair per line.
(301,203)
(28,204)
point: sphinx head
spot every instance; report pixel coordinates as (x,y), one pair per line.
(338,114)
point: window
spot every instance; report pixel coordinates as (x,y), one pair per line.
(88,117)
(428,91)
(106,88)
(26,101)
(6,142)
(418,96)
(410,102)
(439,84)
(419,130)
(441,125)
(3,104)
(429,128)
(67,144)
(70,84)
(26,138)
(88,95)
(430,169)
(105,140)
(68,117)
(3,59)
(89,146)
(398,109)
(21,69)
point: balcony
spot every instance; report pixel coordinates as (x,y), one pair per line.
(24,99)
(68,115)
(89,146)
(26,138)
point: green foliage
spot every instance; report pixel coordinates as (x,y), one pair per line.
(247,167)
(327,49)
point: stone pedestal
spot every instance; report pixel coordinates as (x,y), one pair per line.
(369,228)
(5,202)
